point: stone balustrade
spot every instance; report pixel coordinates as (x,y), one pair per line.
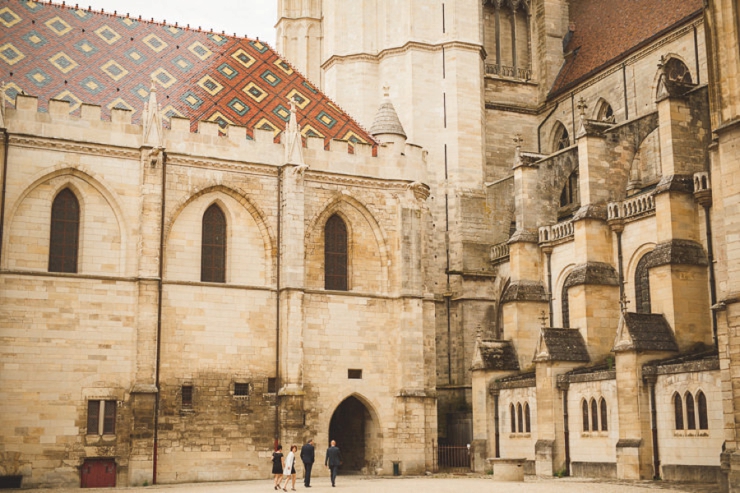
(560,231)
(509,72)
(499,252)
(632,207)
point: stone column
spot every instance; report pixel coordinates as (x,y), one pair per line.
(635,446)
(550,446)
(678,265)
(149,271)
(525,300)
(415,397)
(593,285)
(291,293)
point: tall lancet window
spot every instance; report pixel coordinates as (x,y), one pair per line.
(335,254)
(65,232)
(642,286)
(213,249)
(507,38)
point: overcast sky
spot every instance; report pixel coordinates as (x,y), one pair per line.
(252,18)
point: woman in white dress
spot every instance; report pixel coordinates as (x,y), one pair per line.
(289,471)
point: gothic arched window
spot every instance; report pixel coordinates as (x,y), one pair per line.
(594,415)
(565,308)
(561,139)
(335,254)
(584,410)
(678,411)
(65,232)
(690,416)
(605,112)
(519,418)
(604,421)
(701,404)
(527,419)
(512,413)
(213,246)
(569,194)
(642,286)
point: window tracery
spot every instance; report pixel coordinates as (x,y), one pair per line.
(595,415)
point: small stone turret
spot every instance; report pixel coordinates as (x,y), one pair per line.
(387,127)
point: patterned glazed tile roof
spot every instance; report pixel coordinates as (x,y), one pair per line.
(58,52)
(606,31)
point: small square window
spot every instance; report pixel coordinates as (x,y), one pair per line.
(271,385)
(354,374)
(101,417)
(187,396)
(241,389)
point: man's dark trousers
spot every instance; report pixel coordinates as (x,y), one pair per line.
(307,456)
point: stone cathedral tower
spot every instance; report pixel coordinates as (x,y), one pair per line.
(457,71)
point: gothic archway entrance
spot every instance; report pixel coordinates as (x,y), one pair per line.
(357,435)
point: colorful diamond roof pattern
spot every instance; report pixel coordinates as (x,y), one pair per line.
(58,52)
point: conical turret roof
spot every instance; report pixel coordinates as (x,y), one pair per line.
(386,119)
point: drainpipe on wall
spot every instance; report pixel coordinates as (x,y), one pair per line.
(539,127)
(548,253)
(624,86)
(566,430)
(497,435)
(651,379)
(704,197)
(159,319)
(619,262)
(277,308)
(573,115)
(6,139)
(696,56)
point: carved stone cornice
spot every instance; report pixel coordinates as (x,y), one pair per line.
(64,145)
(209,163)
(408,46)
(344,180)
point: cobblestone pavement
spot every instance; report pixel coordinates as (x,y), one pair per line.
(428,484)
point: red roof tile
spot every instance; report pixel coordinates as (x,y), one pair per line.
(57,52)
(608,30)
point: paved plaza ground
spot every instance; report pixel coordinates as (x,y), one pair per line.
(425,484)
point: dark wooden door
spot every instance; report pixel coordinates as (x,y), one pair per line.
(98,473)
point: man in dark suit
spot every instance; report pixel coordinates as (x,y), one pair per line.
(333,460)
(307,456)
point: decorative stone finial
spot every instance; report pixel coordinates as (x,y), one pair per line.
(518,149)
(293,139)
(623,302)
(543,318)
(582,106)
(152,119)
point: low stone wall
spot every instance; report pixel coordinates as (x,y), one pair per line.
(690,474)
(593,469)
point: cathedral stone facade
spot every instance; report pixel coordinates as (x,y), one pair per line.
(532,253)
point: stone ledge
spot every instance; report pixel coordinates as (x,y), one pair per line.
(677,252)
(592,273)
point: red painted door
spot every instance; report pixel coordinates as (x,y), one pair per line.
(98,473)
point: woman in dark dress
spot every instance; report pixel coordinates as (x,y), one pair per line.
(278,463)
